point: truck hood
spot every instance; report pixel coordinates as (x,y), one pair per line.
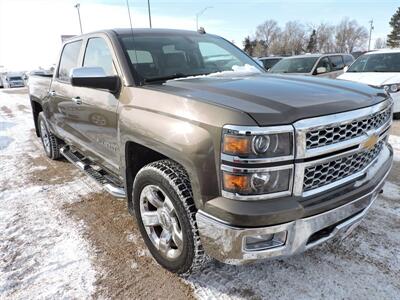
(276,99)
(372,78)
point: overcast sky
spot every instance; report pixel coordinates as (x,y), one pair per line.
(30,30)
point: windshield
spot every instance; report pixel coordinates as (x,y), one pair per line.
(294,65)
(380,62)
(14,78)
(166,56)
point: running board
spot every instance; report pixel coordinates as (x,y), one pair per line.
(99,176)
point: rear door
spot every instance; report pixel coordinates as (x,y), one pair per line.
(97,123)
(62,110)
(324,62)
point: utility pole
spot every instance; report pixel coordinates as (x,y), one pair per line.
(370,33)
(77,6)
(148,7)
(199,14)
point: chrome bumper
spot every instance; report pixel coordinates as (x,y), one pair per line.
(227,244)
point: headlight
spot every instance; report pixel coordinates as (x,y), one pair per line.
(269,181)
(267,143)
(243,148)
(392,88)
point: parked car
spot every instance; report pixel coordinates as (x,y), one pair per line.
(324,65)
(379,68)
(270,61)
(214,155)
(12,81)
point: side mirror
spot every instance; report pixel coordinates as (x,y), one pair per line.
(321,70)
(345,68)
(94,77)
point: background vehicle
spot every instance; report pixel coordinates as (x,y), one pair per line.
(201,141)
(269,62)
(14,80)
(324,65)
(380,68)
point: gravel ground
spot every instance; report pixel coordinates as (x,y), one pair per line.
(62,237)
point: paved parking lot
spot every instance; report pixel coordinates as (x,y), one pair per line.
(62,237)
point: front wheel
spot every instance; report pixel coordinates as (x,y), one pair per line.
(165,212)
(51,144)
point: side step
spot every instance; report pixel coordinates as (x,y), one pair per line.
(99,175)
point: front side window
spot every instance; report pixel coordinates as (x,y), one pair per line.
(337,62)
(380,62)
(324,63)
(294,65)
(69,59)
(157,56)
(269,63)
(348,59)
(98,54)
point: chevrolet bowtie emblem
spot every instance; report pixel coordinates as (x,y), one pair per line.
(370,142)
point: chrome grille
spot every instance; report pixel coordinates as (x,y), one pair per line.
(323,174)
(333,134)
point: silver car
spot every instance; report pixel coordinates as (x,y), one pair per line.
(325,65)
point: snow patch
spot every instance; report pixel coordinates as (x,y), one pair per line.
(394,140)
(391,191)
(42,251)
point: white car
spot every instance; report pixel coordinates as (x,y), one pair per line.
(381,69)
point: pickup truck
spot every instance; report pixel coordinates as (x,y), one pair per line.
(215,157)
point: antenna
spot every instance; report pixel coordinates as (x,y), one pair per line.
(133,36)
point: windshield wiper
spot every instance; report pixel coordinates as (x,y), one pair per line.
(172,76)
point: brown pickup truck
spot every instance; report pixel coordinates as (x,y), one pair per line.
(214,156)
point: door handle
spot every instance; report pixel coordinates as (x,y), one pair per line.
(52,93)
(77,100)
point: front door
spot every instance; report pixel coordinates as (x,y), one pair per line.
(97,124)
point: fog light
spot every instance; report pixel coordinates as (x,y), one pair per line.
(265,241)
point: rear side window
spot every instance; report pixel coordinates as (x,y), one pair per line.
(348,60)
(98,54)
(337,62)
(69,59)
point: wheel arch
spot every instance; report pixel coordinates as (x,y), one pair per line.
(36,109)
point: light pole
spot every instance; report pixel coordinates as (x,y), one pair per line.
(370,33)
(148,7)
(199,14)
(77,6)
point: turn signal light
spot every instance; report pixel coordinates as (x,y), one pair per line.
(236,144)
(235,182)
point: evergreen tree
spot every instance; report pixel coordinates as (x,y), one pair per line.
(393,40)
(248,46)
(312,43)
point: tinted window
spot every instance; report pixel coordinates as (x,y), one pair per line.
(348,60)
(269,63)
(69,59)
(294,65)
(382,62)
(324,63)
(337,62)
(98,55)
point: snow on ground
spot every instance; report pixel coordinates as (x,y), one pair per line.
(394,140)
(42,251)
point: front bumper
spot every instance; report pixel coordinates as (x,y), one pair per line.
(227,243)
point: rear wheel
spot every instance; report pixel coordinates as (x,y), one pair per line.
(51,144)
(396,116)
(165,213)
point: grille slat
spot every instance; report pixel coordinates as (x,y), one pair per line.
(323,174)
(334,134)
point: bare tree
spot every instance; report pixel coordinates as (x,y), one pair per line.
(294,38)
(380,43)
(268,33)
(350,35)
(325,38)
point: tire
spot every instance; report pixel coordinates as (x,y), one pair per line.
(51,144)
(396,116)
(166,183)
